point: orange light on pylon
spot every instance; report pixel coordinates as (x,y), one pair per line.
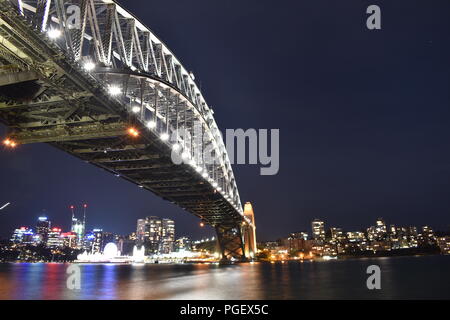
(85,205)
(133,132)
(202,224)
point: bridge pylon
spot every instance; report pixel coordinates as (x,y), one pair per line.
(249,232)
(238,241)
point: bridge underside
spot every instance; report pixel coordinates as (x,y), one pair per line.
(47,98)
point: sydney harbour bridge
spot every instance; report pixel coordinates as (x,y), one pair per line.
(87,77)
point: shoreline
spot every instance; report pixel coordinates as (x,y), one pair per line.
(343,258)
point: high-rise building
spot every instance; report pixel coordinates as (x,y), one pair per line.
(381,229)
(78,229)
(42,228)
(156,235)
(318,229)
(427,237)
(100,240)
(23,235)
(69,239)
(88,241)
(167,236)
(54,238)
(337,234)
(79,226)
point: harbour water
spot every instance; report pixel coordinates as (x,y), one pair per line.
(424,277)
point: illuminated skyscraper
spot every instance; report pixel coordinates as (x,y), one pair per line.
(318,229)
(79,226)
(54,238)
(22,235)
(42,228)
(155,234)
(167,236)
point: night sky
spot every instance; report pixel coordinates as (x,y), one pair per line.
(364,117)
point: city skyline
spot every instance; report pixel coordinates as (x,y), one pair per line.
(359,152)
(202,231)
(317,229)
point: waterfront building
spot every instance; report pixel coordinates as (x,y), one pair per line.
(318,229)
(88,241)
(156,235)
(293,244)
(183,244)
(126,245)
(167,236)
(426,237)
(97,241)
(444,244)
(100,240)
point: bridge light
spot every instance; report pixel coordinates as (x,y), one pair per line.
(133,132)
(136,109)
(151,124)
(185,155)
(10,143)
(219,189)
(89,66)
(199,169)
(164,136)
(205,175)
(176,147)
(214,184)
(114,90)
(202,224)
(54,33)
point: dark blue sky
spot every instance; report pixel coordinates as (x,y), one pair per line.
(364,117)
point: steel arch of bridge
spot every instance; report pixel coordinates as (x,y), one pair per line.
(73,109)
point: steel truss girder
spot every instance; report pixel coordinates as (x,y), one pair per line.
(132,46)
(230,242)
